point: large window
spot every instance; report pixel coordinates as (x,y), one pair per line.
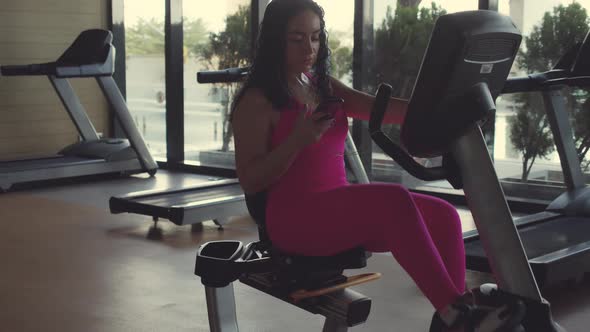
(144,47)
(220,37)
(401,34)
(524,150)
(216,38)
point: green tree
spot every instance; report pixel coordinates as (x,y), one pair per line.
(529,131)
(341,56)
(401,41)
(557,32)
(195,36)
(146,37)
(408,3)
(581,125)
(226,49)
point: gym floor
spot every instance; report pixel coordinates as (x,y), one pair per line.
(70,265)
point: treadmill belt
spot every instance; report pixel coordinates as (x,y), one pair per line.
(182,198)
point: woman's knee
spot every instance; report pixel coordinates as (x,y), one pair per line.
(398,196)
(437,211)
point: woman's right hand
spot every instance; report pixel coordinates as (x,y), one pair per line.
(309,127)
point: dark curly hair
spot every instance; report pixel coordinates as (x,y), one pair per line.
(267,71)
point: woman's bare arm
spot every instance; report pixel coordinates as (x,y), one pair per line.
(258,166)
(358,105)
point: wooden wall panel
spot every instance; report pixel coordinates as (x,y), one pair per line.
(32,118)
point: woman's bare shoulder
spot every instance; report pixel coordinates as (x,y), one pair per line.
(254,101)
(254,110)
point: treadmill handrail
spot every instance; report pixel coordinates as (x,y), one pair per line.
(42,69)
(211,201)
(544,81)
(228,75)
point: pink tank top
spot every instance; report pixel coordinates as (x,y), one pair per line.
(318,167)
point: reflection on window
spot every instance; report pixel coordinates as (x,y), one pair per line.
(144,46)
(215,39)
(401,33)
(524,148)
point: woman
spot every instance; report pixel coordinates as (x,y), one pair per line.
(295,154)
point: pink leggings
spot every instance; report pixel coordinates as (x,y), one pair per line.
(422,232)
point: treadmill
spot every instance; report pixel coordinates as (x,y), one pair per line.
(216,200)
(90,55)
(557,240)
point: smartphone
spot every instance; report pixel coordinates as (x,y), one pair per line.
(329,105)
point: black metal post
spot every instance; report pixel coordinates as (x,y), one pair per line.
(488,4)
(116,25)
(174,82)
(362,69)
(489,128)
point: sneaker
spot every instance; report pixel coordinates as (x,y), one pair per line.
(474,316)
(504,318)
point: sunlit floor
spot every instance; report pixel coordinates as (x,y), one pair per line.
(70,265)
